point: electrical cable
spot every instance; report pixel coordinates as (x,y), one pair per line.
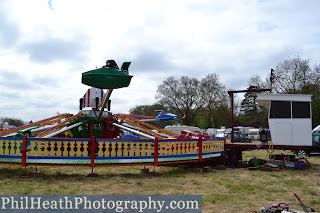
(229,162)
(270,157)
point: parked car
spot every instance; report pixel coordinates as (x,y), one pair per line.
(314,150)
(195,134)
(238,136)
(220,135)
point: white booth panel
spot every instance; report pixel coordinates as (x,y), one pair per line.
(301,132)
(281,131)
(289,118)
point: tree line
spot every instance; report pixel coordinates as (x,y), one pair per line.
(11,121)
(205,103)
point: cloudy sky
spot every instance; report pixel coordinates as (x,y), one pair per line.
(46,45)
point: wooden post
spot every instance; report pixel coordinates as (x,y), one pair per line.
(24,150)
(200,149)
(155,153)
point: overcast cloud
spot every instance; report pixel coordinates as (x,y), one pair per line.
(46,45)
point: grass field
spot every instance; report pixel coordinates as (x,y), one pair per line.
(230,190)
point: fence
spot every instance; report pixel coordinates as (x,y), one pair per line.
(98,152)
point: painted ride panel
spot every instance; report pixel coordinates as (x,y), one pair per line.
(62,151)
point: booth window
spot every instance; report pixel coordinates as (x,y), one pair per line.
(280,109)
(301,110)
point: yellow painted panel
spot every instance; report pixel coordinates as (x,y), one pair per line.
(125,149)
(45,146)
(6,144)
(169,148)
(161,149)
(179,147)
(131,152)
(32,152)
(148,150)
(138,151)
(205,146)
(37,148)
(85,148)
(72,152)
(18,144)
(209,147)
(143,149)
(113,151)
(174,148)
(119,151)
(58,152)
(191,149)
(215,146)
(78,152)
(65,148)
(184,147)
(51,153)
(10,146)
(164,148)
(100,151)
(210,144)
(1,147)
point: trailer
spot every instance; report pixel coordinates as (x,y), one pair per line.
(290,124)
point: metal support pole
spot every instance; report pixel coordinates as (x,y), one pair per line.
(155,153)
(92,156)
(232,118)
(24,154)
(200,149)
(104,103)
(24,150)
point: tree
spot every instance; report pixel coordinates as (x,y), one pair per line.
(291,75)
(251,113)
(294,76)
(150,110)
(181,97)
(146,109)
(258,83)
(249,104)
(213,95)
(314,90)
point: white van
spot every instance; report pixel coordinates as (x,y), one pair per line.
(254,134)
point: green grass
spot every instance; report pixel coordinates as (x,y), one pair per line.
(231,190)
